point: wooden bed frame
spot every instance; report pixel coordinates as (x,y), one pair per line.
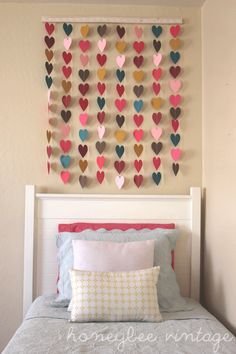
(43,213)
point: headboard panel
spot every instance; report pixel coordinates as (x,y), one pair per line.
(43,213)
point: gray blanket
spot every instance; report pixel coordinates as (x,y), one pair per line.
(46,330)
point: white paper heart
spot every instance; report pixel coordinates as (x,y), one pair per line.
(157,58)
(67,42)
(101,131)
(120,181)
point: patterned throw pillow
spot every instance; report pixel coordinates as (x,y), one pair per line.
(115,296)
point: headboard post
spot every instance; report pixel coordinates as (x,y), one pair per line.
(28,247)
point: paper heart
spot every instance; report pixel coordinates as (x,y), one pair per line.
(83,149)
(138,75)
(49,41)
(83,117)
(120,31)
(120,104)
(65,176)
(138,180)
(119,181)
(67,57)
(120,135)
(66,115)
(121,46)
(156,45)
(120,60)
(175,112)
(138,164)
(83,181)
(175,85)
(138,149)
(66,100)
(49,28)
(120,89)
(174,30)
(156,117)
(84,45)
(83,134)
(175,168)
(100,176)
(49,135)
(175,100)
(49,96)
(119,166)
(101,30)
(49,81)
(138,105)
(138,134)
(100,161)
(83,102)
(66,85)
(101,87)
(120,75)
(156,162)
(68,28)
(83,88)
(65,129)
(138,61)
(101,73)
(84,30)
(138,46)
(102,44)
(175,43)
(156,132)
(175,124)
(156,147)
(48,167)
(157,58)
(120,150)
(101,58)
(156,88)
(49,54)
(157,102)
(120,120)
(100,146)
(83,164)
(156,30)
(175,138)
(138,90)
(66,71)
(67,42)
(174,56)
(101,117)
(84,58)
(101,131)
(65,160)
(49,151)
(101,102)
(156,73)
(138,119)
(156,177)
(83,74)
(65,145)
(175,153)
(138,31)
(49,67)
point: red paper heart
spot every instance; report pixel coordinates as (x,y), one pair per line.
(138,46)
(65,145)
(101,87)
(49,151)
(49,28)
(84,45)
(67,57)
(156,117)
(83,102)
(175,71)
(101,117)
(66,100)
(174,30)
(65,176)
(156,88)
(100,176)
(48,167)
(175,124)
(138,61)
(66,71)
(83,149)
(49,41)
(138,180)
(138,164)
(83,88)
(156,73)
(138,119)
(101,58)
(156,162)
(119,166)
(120,89)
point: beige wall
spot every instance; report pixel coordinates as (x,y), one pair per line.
(22,131)
(219,167)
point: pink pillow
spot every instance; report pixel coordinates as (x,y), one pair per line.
(106,256)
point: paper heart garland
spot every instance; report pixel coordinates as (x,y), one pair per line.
(157,58)
(175,153)
(100,176)
(120,150)
(66,71)
(100,146)
(119,181)
(138,119)
(138,31)
(138,164)
(83,88)
(67,57)
(120,60)
(119,166)
(138,180)
(156,162)
(68,28)
(138,134)
(83,102)
(83,149)
(65,145)
(101,131)
(84,59)
(65,160)
(84,45)
(101,117)
(65,176)
(138,46)
(66,115)
(174,30)
(156,117)
(156,177)
(156,132)
(120,104)
(102,44)
(84,30)
(83,117)
(138,149)
(156,30)
(83,134)
(83,164)
(66,85)
(67,43)
(49,28)
(101,88)
(100,161)
(101,58)
(83,181)
(102,30)
(175,168)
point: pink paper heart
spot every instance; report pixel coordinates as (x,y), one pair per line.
(101,131)
(138,134)
(65,130)
(84,45)
(175,100)
(157,58)
(175,153)
(102,44)
(49,151)
(84,58)
(174,30)
(83,117)
(175,85)
(100,161)
(120,60)
(120,104)
(138,31)
(119,181)
(156,132)
(67,43)
(65,176)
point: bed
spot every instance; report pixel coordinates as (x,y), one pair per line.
(46,329)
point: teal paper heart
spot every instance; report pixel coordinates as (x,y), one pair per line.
(120,150)
(156,177)
(101,102)
(175,138)
(157,31)
(120,75)
(48,80)
(65,160)
(83,134)
(138,105)
(175,56)
(67,28)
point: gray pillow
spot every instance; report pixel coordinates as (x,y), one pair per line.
(168,290)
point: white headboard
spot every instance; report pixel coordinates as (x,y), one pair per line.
(43,213)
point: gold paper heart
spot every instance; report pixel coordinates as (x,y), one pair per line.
(121,46)
(83,164)
(49,135)
(138,149)
(66,85)
(84,30)
(157,102)
(120,135)
(138,75)
(175,43)
(101,73)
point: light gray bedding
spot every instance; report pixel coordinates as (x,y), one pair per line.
(46,330)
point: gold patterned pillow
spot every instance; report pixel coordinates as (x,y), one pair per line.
(115,296)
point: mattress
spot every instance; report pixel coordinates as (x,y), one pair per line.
(47,330)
